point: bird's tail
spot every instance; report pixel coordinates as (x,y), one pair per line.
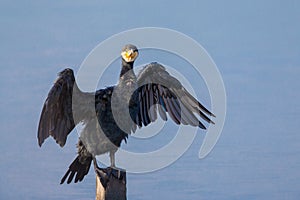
(80,166)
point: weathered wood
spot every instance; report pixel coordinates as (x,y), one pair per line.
(110,184)
(100,191)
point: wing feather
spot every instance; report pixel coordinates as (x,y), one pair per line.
(172,111)
(57,117)
(153,106)
(160,92)
(161,109)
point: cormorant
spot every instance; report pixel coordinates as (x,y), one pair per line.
(105,113)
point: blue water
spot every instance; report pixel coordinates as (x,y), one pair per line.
(256,47)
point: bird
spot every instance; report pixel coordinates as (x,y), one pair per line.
(111,114)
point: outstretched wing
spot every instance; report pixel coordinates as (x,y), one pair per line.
(57,118)
(159,92)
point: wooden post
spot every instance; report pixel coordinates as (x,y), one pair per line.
(110,184)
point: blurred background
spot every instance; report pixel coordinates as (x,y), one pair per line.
(256,46)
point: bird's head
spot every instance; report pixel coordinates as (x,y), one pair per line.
(129,53)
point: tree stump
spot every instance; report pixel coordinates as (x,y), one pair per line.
(110,184)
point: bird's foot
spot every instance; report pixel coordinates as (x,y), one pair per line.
(117,172)
(106,174)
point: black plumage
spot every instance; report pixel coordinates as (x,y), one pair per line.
(154,92)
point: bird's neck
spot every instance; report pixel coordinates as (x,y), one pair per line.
(126,67)
(124,89)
